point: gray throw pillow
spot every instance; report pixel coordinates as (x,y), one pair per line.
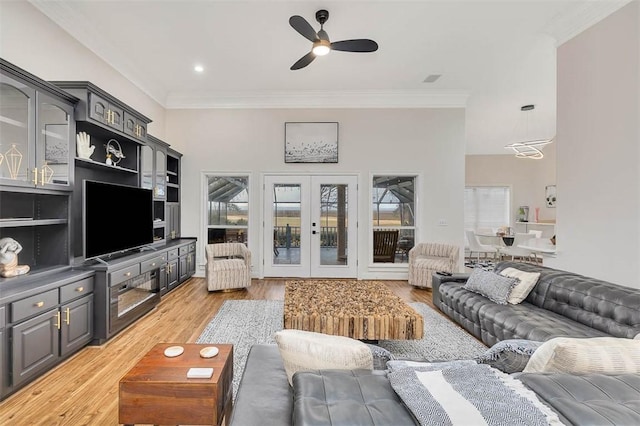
(380,356)
(509,356)
(491,285)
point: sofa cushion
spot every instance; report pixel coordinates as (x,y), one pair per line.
(606,355)
(491,285)
(522,289)
(509,356)
(592,399)
(347,397)
(307,350)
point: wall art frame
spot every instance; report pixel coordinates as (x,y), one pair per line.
(550,196)
(311,142)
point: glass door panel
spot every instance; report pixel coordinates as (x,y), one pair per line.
(54,135)
(287,215)
(333,224)
(16,134)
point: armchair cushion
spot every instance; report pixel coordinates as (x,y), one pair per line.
(427,258)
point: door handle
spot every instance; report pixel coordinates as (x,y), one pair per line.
(313,232)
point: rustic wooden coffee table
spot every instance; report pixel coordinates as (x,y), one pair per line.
(157,391)
(364,310)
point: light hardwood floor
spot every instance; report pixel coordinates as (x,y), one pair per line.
(84,389)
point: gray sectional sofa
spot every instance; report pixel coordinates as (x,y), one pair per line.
(561,304)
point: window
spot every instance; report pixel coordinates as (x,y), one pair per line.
(486,207)
(393,209)
(227,209)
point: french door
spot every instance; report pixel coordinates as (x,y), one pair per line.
(310,226)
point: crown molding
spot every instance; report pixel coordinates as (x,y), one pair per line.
(318,99)
(574,20)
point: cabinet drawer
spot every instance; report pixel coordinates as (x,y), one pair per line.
(124,274)
(192,247)
(172,254)
(34,305)
(184,250)
(151,264)
(3,320)
(77,289)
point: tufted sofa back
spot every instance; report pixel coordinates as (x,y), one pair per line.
(610,308)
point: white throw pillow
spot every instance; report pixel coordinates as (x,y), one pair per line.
(307,350)
(604,355)
(528,280)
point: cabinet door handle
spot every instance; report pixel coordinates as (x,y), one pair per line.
(58,320)
(80,289)
(67,316)
(38,304)
(109,116)
(35,176)
(42,179)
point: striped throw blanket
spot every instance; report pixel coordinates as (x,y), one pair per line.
(465,393)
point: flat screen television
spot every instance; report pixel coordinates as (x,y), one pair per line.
(116,218)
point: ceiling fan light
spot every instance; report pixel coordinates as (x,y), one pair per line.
(321,47)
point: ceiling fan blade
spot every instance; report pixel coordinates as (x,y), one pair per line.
(304,61)
(358,45)
(303,27)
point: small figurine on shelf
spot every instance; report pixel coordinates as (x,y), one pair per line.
(83,144)
(113,149)
(9,249)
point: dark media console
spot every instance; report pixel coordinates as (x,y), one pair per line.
(128,287)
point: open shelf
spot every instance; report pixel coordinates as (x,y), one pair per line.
(88,163)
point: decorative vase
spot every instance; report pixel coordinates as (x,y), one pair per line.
(537,213)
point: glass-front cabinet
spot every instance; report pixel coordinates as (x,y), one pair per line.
(36,131)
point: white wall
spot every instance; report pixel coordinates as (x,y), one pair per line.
(527,179)
(425,141)
(33,42)
(598,152)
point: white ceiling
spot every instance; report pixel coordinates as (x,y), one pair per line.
(494,56)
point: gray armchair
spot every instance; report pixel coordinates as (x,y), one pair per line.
(228,266)
(427,258)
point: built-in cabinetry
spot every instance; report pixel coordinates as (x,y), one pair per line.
(172,227)
(65,302)
(43,324)
(36,128)
(98,109)
(153,175)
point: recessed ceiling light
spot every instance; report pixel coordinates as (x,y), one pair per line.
(198,68)
(431,78)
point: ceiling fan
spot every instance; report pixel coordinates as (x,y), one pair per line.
(321,44)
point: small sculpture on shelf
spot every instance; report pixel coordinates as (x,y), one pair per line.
(113,150)
(83,144)
(9,249)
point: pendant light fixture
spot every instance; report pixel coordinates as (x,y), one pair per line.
(529,147)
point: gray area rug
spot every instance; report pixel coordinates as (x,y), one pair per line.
(246,322)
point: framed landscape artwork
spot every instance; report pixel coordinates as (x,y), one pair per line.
(311,142)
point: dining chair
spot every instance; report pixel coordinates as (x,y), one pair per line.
(475,246)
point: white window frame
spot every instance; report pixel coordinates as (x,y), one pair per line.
(205,199)
(370,228)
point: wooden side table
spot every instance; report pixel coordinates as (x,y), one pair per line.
(157,391)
